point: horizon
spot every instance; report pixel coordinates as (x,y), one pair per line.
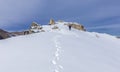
(97,16)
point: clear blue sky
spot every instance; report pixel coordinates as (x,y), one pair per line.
(96,15)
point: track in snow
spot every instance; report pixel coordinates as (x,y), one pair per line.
(57,55)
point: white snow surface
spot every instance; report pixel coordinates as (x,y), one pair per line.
(60,51)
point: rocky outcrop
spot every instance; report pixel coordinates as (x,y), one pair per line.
(35,28)
(34,25)
(76,26)
(55,27)
(4,34)
(42,31)
(52,22)
(118,37)
(17,33)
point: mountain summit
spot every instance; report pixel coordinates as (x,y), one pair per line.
(59,49)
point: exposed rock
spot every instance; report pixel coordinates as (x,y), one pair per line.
(26,32)
(118,37)
(17,33)
(4,34)
(42,31)
(35,27)
(55,27)
(77,26)
(52,22)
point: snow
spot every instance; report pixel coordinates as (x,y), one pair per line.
(60,50)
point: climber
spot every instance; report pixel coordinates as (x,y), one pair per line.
(69,26)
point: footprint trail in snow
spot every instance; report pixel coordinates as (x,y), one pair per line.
(57,55)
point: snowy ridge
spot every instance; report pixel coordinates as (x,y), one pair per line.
(60,50)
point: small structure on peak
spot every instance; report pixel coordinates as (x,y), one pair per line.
(52,22)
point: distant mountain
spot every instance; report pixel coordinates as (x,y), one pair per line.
(59,49)
(4,34)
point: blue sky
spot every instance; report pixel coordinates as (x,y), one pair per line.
(96,15)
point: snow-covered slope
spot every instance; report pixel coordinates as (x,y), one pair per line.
(60,50)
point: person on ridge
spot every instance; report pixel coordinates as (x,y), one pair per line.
(69,26)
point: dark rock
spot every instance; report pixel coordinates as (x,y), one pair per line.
(118,37)
(17,33)
(4,34)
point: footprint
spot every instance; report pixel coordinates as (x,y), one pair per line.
(56,70)
(54,62)
(56,54)
(61,67)
(57,67)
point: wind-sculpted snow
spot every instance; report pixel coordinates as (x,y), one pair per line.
(60,51)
